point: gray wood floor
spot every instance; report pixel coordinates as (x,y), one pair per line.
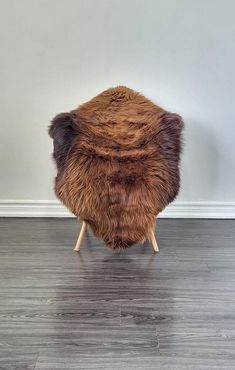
(100,310)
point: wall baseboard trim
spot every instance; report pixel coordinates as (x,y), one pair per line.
(52,208)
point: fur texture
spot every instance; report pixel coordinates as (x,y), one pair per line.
(118,163)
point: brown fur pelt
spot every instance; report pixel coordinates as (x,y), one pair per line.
(118,164)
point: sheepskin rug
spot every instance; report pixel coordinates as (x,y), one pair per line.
(117,158)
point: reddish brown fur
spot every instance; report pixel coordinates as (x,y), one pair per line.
(118,164)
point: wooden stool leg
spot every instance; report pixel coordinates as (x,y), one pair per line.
(81,235)
(154,242)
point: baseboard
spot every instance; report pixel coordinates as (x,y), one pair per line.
(52,208)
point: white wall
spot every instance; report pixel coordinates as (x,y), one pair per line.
(56,54)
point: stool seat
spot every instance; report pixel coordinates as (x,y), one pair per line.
(117,160)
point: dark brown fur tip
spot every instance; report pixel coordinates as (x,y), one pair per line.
(61,119)
(63,130)
(173,118)
(118,164)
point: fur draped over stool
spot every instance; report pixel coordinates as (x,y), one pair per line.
(117,158)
